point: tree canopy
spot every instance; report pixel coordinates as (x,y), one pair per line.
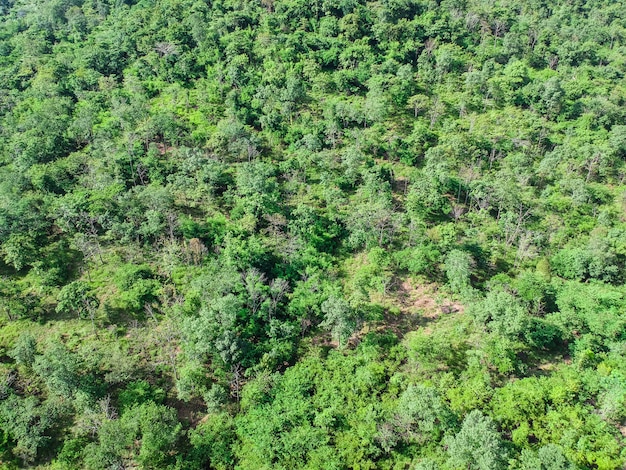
(313,235)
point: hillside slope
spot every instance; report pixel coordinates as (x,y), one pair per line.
(332,234)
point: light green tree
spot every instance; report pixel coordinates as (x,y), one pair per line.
(477,446)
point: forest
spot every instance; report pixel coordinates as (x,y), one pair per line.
(325,234)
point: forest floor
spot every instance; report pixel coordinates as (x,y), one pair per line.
(411,306)
(417,305)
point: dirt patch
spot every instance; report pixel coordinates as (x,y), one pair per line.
(419,304)
(400,185)
(190,412)
(411,306)
(425,300)
(547,364)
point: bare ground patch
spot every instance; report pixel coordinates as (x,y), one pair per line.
(413,305)
(424,299)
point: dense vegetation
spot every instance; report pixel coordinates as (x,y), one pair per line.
(323,235)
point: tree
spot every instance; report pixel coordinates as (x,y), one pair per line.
(548,457)
(458,266)
(25,350)
(137,287)
(212,440)
(339,318)
(426,199)
(114,438)
(477,445)
(372,221)
(257,189)
(20,250)
(17,304)
(29,423)
(159,430)
(215,331)
(420,416)
(77,298)
(60,370)
(418,103)
(552,97)
(502,314)
(42,135)
(145,434)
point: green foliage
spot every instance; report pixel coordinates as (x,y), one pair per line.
(212,441)
(137,393)
(59,369)
(19,250)
(147,432)
(28,423)
(339,318)
(77,298)
(590,308)
(548,457)
(159,430)
(477,444)
(315,403)
(420,416)
(234,193)
(25,350)
(458,266)
(421,260)
(72,452)
(502,314)
(137,288)
(114,437)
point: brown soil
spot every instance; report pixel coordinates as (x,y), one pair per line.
(423,299)
(191,412)
(419,305)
